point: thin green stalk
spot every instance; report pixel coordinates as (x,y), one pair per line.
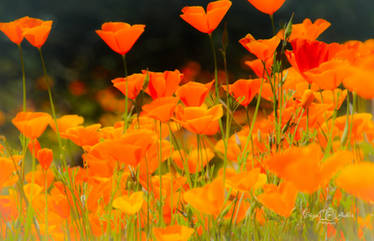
(215,67)
(272,22)
(199,160)
(244,153)
(124,62)
(46,205)
(68,237)
(23,138)
(249,124)
(46,78)
(160,174)
(184,160)
(331,138)
(126,95)
(147,227)
(280,102)
(297,125)
(346,133)
(228,124)
(23,77)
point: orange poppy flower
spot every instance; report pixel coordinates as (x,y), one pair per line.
(360,79)
(262,48)
(193,93)
(161,109)
(173,233)
(163,84)
(307,99)
(134,84)
(358,180)
(267,6)
(244,181)
(129,149)
(150,163)
(208,199)
(308,54)
(280,199)
(200,120)
(13,30)
(100,193)
(35,30)
(83,136)
(257,67)
(119,36)
(129,204)
(196,160)
(208,21)
(31,124)
(45,157)
(306,29)
(145,122)
(303,166)
(171,183)
(67,121)
(244,90)
(329,75)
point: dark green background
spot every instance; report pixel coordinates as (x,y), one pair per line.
(74,51)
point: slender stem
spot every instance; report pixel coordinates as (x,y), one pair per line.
(23,77)
(23,138)
(147,227)
(354,110)
(126,95)
(215,67)
(46,204)
(245,151)
(124,62)
(160,174)
(272,22)
(228,119)
(46,78)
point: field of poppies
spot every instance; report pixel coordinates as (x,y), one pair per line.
(283,155)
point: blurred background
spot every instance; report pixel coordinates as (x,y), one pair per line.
(82,66)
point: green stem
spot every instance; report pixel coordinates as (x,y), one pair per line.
(124,62)
(160,174)
(46,205)
(228,120)
(23,138)
(23,77)
(46,78)
(125,118)
(272,22)
(215,67)
(244,153)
